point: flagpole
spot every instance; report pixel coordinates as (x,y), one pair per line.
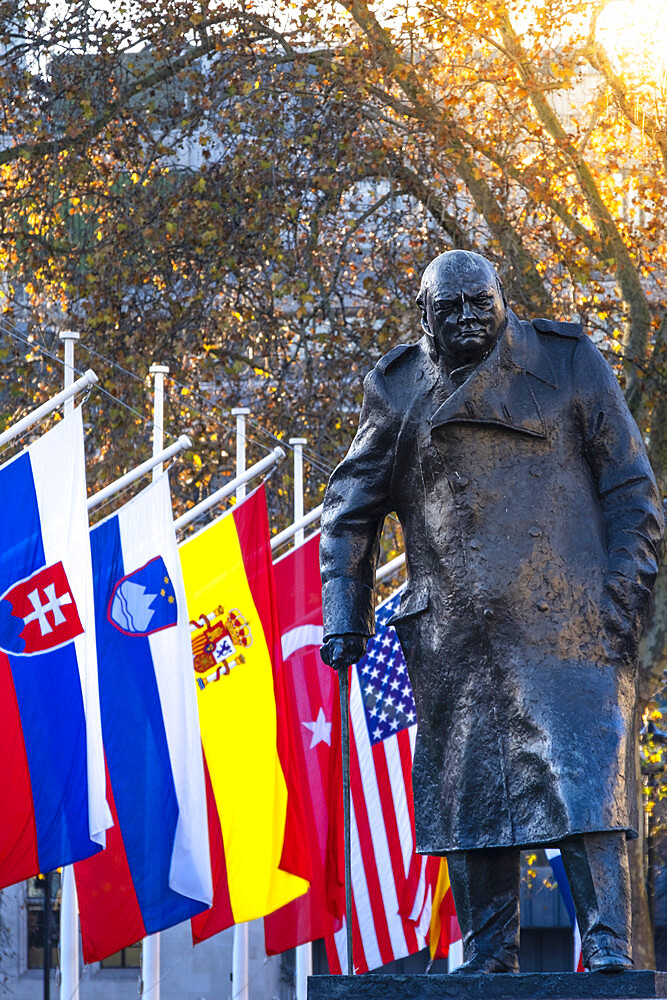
(88,379)
(240,941)
(304,952)
(240,412)
(390,568)
(258,469)
(69,917)
(46,971)
(150,946)
(289,532)
(133,475)
(159,371)
(344,692)
(297,444)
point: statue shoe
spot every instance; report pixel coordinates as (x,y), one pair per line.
(485,963)
(608,960)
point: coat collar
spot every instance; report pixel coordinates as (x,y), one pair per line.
(498,391)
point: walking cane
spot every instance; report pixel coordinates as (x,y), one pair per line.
(344,692)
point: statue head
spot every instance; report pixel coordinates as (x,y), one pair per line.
(464,309)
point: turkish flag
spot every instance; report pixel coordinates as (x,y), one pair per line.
(311,708)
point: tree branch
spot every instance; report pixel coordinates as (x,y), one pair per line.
(526,281)
(614,246)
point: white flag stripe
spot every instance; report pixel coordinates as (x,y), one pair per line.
(400,799)
(382,804)
(426,912)
(455,957)
(340,940)
(362,901)
(370,957)
(147,530)
(376,820)
(59,457)
(420,895)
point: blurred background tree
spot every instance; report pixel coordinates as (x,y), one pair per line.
(248,192)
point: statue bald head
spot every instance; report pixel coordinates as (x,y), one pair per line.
(463,306)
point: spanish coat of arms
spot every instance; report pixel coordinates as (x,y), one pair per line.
(218,641)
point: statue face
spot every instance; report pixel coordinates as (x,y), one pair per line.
(465,311)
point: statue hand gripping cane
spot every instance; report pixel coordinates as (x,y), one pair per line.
(339,652)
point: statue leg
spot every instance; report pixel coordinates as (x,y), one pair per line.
(485,886)
(596,865)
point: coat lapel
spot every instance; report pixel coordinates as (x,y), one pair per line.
(498,392)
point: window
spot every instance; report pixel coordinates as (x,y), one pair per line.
(35,899)
(126,958)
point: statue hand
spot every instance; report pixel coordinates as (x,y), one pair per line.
(339,651)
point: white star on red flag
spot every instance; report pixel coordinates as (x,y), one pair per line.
(320,729)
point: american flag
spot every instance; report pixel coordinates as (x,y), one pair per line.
(385,688)
(390,904)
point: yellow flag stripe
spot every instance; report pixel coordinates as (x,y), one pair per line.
(238,724)
(435,926)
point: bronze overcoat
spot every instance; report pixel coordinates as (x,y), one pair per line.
(532,523)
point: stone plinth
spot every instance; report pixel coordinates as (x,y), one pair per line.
(526,986)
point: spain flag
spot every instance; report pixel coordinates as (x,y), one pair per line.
(255,810)
(443,928)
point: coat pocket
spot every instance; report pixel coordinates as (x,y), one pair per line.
(414,601)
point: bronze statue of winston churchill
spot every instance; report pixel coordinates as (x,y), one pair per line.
(532,526)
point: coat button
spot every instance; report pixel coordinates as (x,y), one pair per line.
(543,606)
(534,532)
(458,482)
(488,614)
(475,543)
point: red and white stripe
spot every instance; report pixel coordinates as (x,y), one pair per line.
(382,849)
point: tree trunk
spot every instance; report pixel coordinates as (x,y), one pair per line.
(643,949)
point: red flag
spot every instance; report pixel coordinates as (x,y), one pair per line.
(312,721)
(392,891)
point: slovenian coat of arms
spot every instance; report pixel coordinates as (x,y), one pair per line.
(218,641)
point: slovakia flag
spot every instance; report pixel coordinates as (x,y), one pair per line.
(52,805)
(156,869)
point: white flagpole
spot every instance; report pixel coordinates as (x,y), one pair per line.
(390,568)
(240,948)
(130,477)
(69,917)
(150,946)
(25,423)
(69,338)
(291,530)
(297,444)
(159,371)
(240,412)
(258,469)
(304,968)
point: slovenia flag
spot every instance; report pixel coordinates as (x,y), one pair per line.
(156,869)
(52,804)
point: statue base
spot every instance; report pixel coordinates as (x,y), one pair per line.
(523,986)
